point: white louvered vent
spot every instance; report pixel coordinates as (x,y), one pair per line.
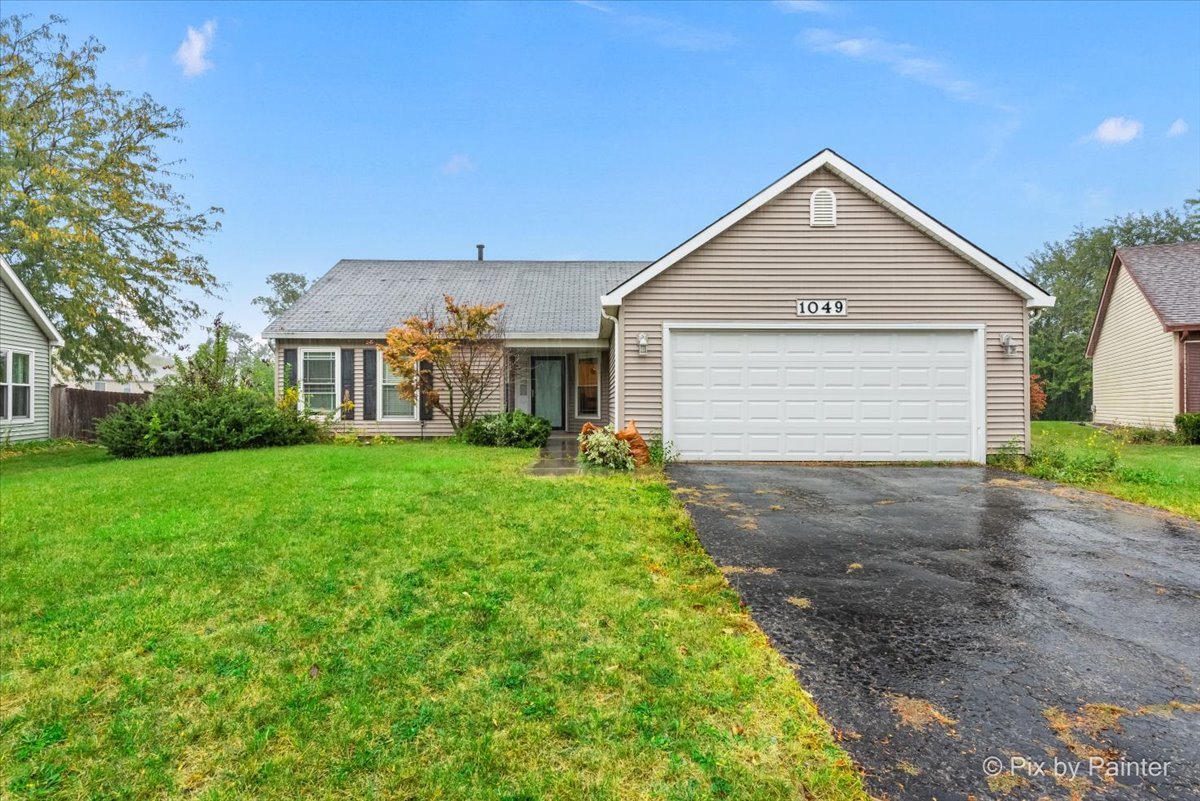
(822,208)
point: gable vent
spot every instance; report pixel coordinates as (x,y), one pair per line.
(822,208)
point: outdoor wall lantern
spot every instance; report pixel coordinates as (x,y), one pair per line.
(643,344)
(1010,347)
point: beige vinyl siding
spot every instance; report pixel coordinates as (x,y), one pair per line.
(1135,367)
(886,269)
(439,426)
(19,332)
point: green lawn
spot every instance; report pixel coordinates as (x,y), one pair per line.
(1166,476)
(404,621)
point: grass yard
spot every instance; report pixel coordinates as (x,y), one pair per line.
(1166,476)
(405,621)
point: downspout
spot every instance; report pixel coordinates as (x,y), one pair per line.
(616,366)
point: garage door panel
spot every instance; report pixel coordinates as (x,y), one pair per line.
(822,394)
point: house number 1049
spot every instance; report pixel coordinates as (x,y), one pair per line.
(820,308)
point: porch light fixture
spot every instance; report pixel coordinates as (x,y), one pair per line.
(643,344)
(1010,347)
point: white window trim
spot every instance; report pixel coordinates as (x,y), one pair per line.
(978,364)
(8,384)
(416,412)
(599,395)
(337,379)
(812,208)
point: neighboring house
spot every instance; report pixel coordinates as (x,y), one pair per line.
(26,337)
(1145,343)
(158,369)
(826,318)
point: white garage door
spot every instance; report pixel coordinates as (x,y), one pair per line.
(858,395)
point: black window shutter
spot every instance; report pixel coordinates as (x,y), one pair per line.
(347,380)
(425,370)
(369,364)
(290,364)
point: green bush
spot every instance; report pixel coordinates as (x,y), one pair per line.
(602,449)
(662,452)
(1140,435)
(508,430)
(1187,428)
(1073,467)
(180,420)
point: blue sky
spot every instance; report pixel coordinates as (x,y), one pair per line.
(616,130)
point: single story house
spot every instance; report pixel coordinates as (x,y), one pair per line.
(26,337)
(825,318)
(1145,342)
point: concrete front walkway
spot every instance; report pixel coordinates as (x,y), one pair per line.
(559,457)
(962,627)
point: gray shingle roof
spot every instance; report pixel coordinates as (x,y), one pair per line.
(1169,276)
(370,297)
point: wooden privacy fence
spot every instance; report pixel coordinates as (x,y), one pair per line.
(73,412)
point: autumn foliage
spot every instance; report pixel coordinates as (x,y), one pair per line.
(455,361)
(1037,396)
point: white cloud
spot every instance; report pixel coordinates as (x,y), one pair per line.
(193,50)
(1178,128)
(802,6)
(458,164)
(665,32)
(592,4)
(903,59)
(1116,131)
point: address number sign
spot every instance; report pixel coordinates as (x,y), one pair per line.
(821,308)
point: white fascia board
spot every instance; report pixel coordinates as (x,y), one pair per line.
(532,339)
(25,299)
(1035,298)
(590,343)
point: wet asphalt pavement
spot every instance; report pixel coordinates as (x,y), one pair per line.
(941,616)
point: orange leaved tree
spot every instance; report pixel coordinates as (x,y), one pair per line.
(1037,396)
(455,362)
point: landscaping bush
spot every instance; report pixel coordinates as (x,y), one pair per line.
(662,452)
(1142,435)
(1187,428)
(1073,467)
(600,447)
(179,420)
(508,430)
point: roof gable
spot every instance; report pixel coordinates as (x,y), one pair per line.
(1168,276)
(30,305)
(828,159)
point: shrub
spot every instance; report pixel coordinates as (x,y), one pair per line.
(508,430)
(180,420)
(1187,428)
(1037,396)
(602,449)
(1074,467)
(1010,456)
(1133,435)
(662,452)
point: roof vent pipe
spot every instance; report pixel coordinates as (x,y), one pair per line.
(480,249)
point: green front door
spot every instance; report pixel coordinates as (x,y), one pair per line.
(549,400)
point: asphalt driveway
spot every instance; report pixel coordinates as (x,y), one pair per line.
(945,616)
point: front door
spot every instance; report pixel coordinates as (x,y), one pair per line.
(549,400)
